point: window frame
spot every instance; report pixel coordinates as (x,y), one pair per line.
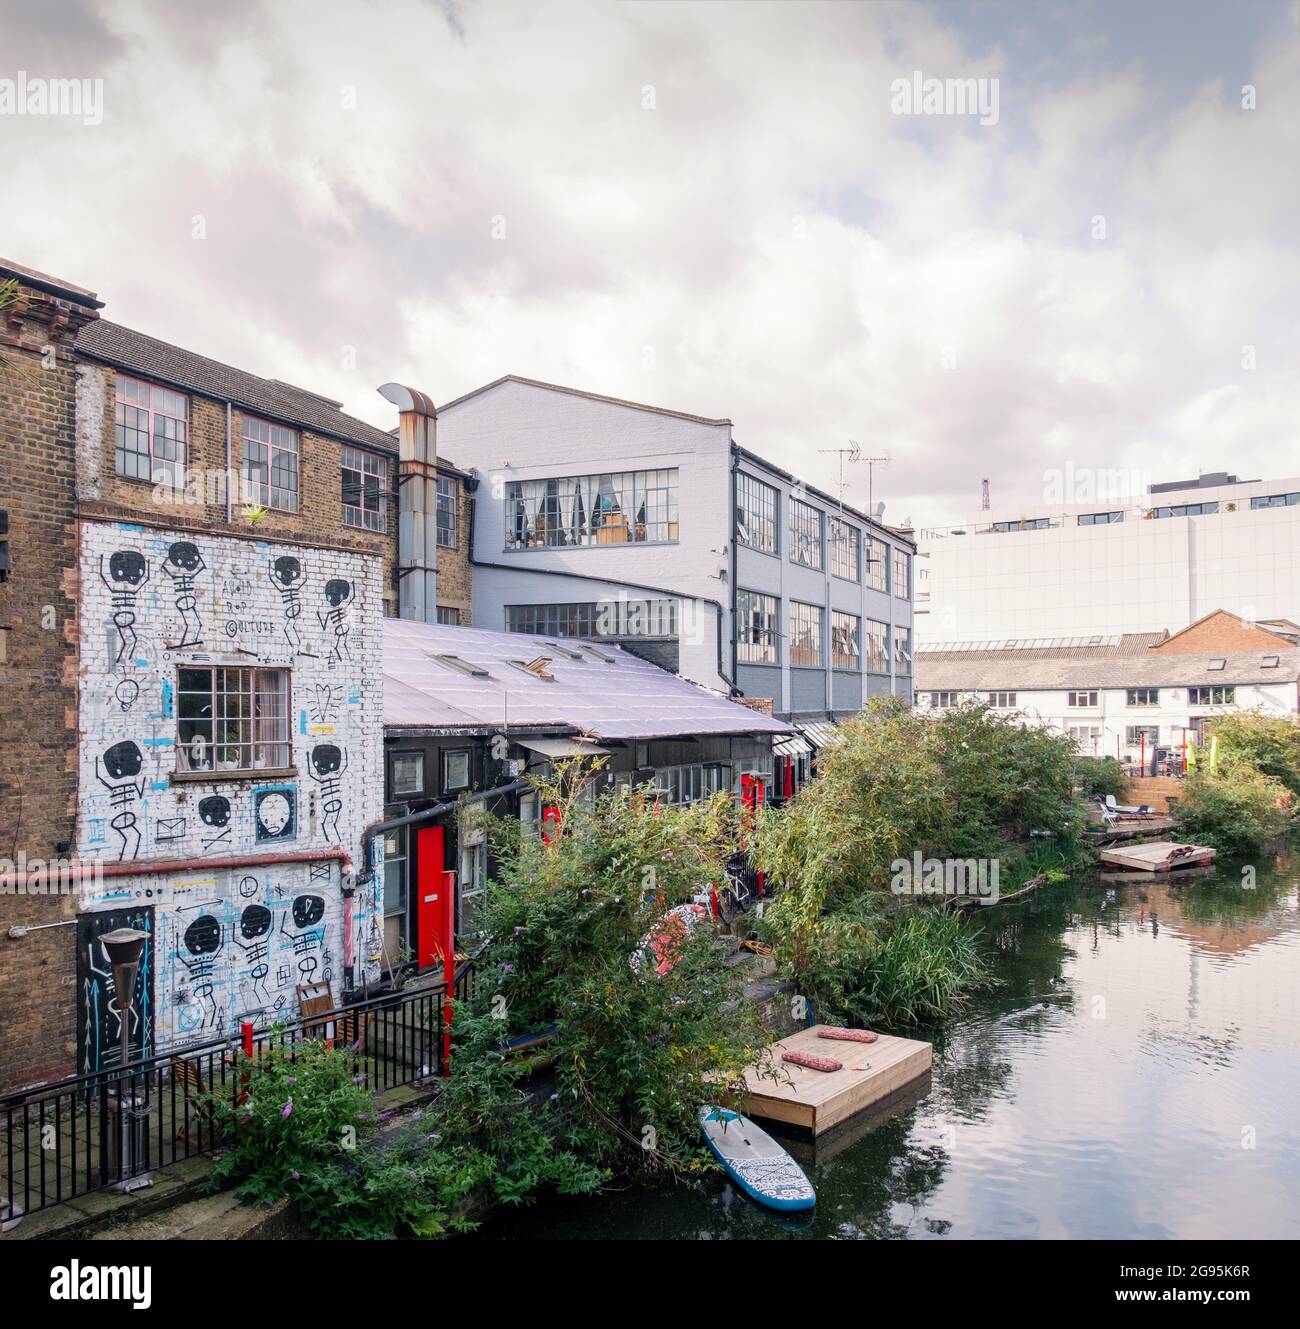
(593,510)
(759,514)
(1073,704)
(795,633)
(265,492)
(220,715)
(902,554)
(358,461)
(870,639)
(446,507)
(800,534)
(1228,697)
(447,754)
(1133,697)
(767,640)
(152,414)
(872,581)
(854,623)
(837,528)
(393,758)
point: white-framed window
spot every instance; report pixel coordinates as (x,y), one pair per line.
(1087,736)
(473,878)
(593,619)
(756,509)
(408,773)
(152,432)
(232,719)
(877,647)
(455,769)
(447,511)
(1212,696)
(365,489)
(756,627)
(1136,734)
(844,539)
(271,464)
(902,573)
(1078,699)
(689,784)
(805,534)
(1142,697)
(846,651)
(1002,701)
(448,615)
(942,701)
(622,507)
(805,634)
(877,577)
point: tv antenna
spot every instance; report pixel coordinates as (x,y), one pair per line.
(853,454)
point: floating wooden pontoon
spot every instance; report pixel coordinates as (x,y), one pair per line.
(818,1100)
(1163,856)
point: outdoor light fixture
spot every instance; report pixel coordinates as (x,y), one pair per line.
(125,949)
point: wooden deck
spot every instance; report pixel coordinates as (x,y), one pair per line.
(1162,856)
(819,1100)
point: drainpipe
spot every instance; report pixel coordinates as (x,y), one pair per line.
(230,467)
(630,585)
(417,502)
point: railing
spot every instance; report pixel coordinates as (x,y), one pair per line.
(113,1127)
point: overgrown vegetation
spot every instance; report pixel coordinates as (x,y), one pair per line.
(1269,743)
(968,784)
(1235,808)
(1098,776)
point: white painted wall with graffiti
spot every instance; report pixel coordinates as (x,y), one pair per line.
(231,706)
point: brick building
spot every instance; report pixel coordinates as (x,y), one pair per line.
(200,561)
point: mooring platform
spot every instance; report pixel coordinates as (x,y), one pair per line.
(818,1100)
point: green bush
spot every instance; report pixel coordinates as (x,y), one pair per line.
(1270,743)
(1097,777)
(1235,809)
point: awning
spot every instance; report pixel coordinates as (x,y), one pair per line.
(794,746)
(823,734)
(561,747)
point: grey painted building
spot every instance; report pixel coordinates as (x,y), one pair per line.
(604,519)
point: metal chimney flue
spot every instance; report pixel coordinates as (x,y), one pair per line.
(417,502)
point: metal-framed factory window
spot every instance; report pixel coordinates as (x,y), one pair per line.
(805,534)
(365,489)
(232,719)
(756,508)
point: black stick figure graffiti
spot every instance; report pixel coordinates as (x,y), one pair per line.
(339,594)
(308,910)
(202,940)
(328,762)
(184,563)
(254,925)
(286,577)
(123,762)
(214,811)
(128,571)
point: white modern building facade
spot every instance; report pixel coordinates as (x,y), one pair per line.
(595,517)
(1162,558)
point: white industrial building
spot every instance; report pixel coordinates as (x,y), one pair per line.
(1162,557)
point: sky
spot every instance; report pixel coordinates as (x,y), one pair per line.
(722,208)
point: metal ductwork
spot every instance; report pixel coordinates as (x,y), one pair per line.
(417,502)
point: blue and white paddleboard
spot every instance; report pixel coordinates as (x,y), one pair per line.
(755,1162)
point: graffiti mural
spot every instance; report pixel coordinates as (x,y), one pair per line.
(99,1025)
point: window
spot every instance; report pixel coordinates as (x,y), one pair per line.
(1186,510)
(689,784)
(1081,699)
(805,634)
(805,534)
(1142,697)
(844,549)
(1028,524)
(1275,501)
(448,616)
(756,628)
(877,647)
(655,619)
(1212,696)
(755,513)
(1002,701)
(408,773)
(152,432)
(625,507)
(1100,518)
(395,871)
(473,879)
(365,490)
(232,719)
(455,770)
(271,464)
(845,651)
(902,573)
(1085,735)
(1137,734)
(447,511)
(902,650)
(942,700)
(877,564)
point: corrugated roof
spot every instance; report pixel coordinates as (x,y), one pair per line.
(821,734)
(159,360)
(605,691)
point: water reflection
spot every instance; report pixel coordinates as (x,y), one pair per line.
(1133,1075)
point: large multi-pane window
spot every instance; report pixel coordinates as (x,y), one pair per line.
(592,619)
(689,784)
(271,464)
(447,511)
(877,564)
(1185,510)
(756,628)
(902,650)
(1002,701)
(846,652)
(232,719)
(1084,699)
(624,507)
(448,615)
(844,549)
(1213,696)
(152,432)
(1142,697)
(902,573)
(877,647)
(365,489)
(805,534)
(805,634)
(755,513)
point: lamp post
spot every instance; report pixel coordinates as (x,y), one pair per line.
(125,949)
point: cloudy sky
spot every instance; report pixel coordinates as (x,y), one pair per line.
(712,207)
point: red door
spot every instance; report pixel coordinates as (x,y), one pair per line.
(432,911)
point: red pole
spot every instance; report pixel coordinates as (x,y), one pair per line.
(1144,751)
(448,966)
(1184,751)
(246,1032)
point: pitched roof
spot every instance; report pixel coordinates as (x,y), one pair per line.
(159,360)
(606,691)
(1251,636)
(579,392)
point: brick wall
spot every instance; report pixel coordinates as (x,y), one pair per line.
(37,681)
(454,574)
(1153,791)
(1221,632)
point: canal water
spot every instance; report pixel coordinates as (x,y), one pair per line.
(1135,1074)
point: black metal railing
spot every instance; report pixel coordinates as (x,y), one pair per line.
(113,1127)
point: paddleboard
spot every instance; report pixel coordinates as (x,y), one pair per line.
(755,1162)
